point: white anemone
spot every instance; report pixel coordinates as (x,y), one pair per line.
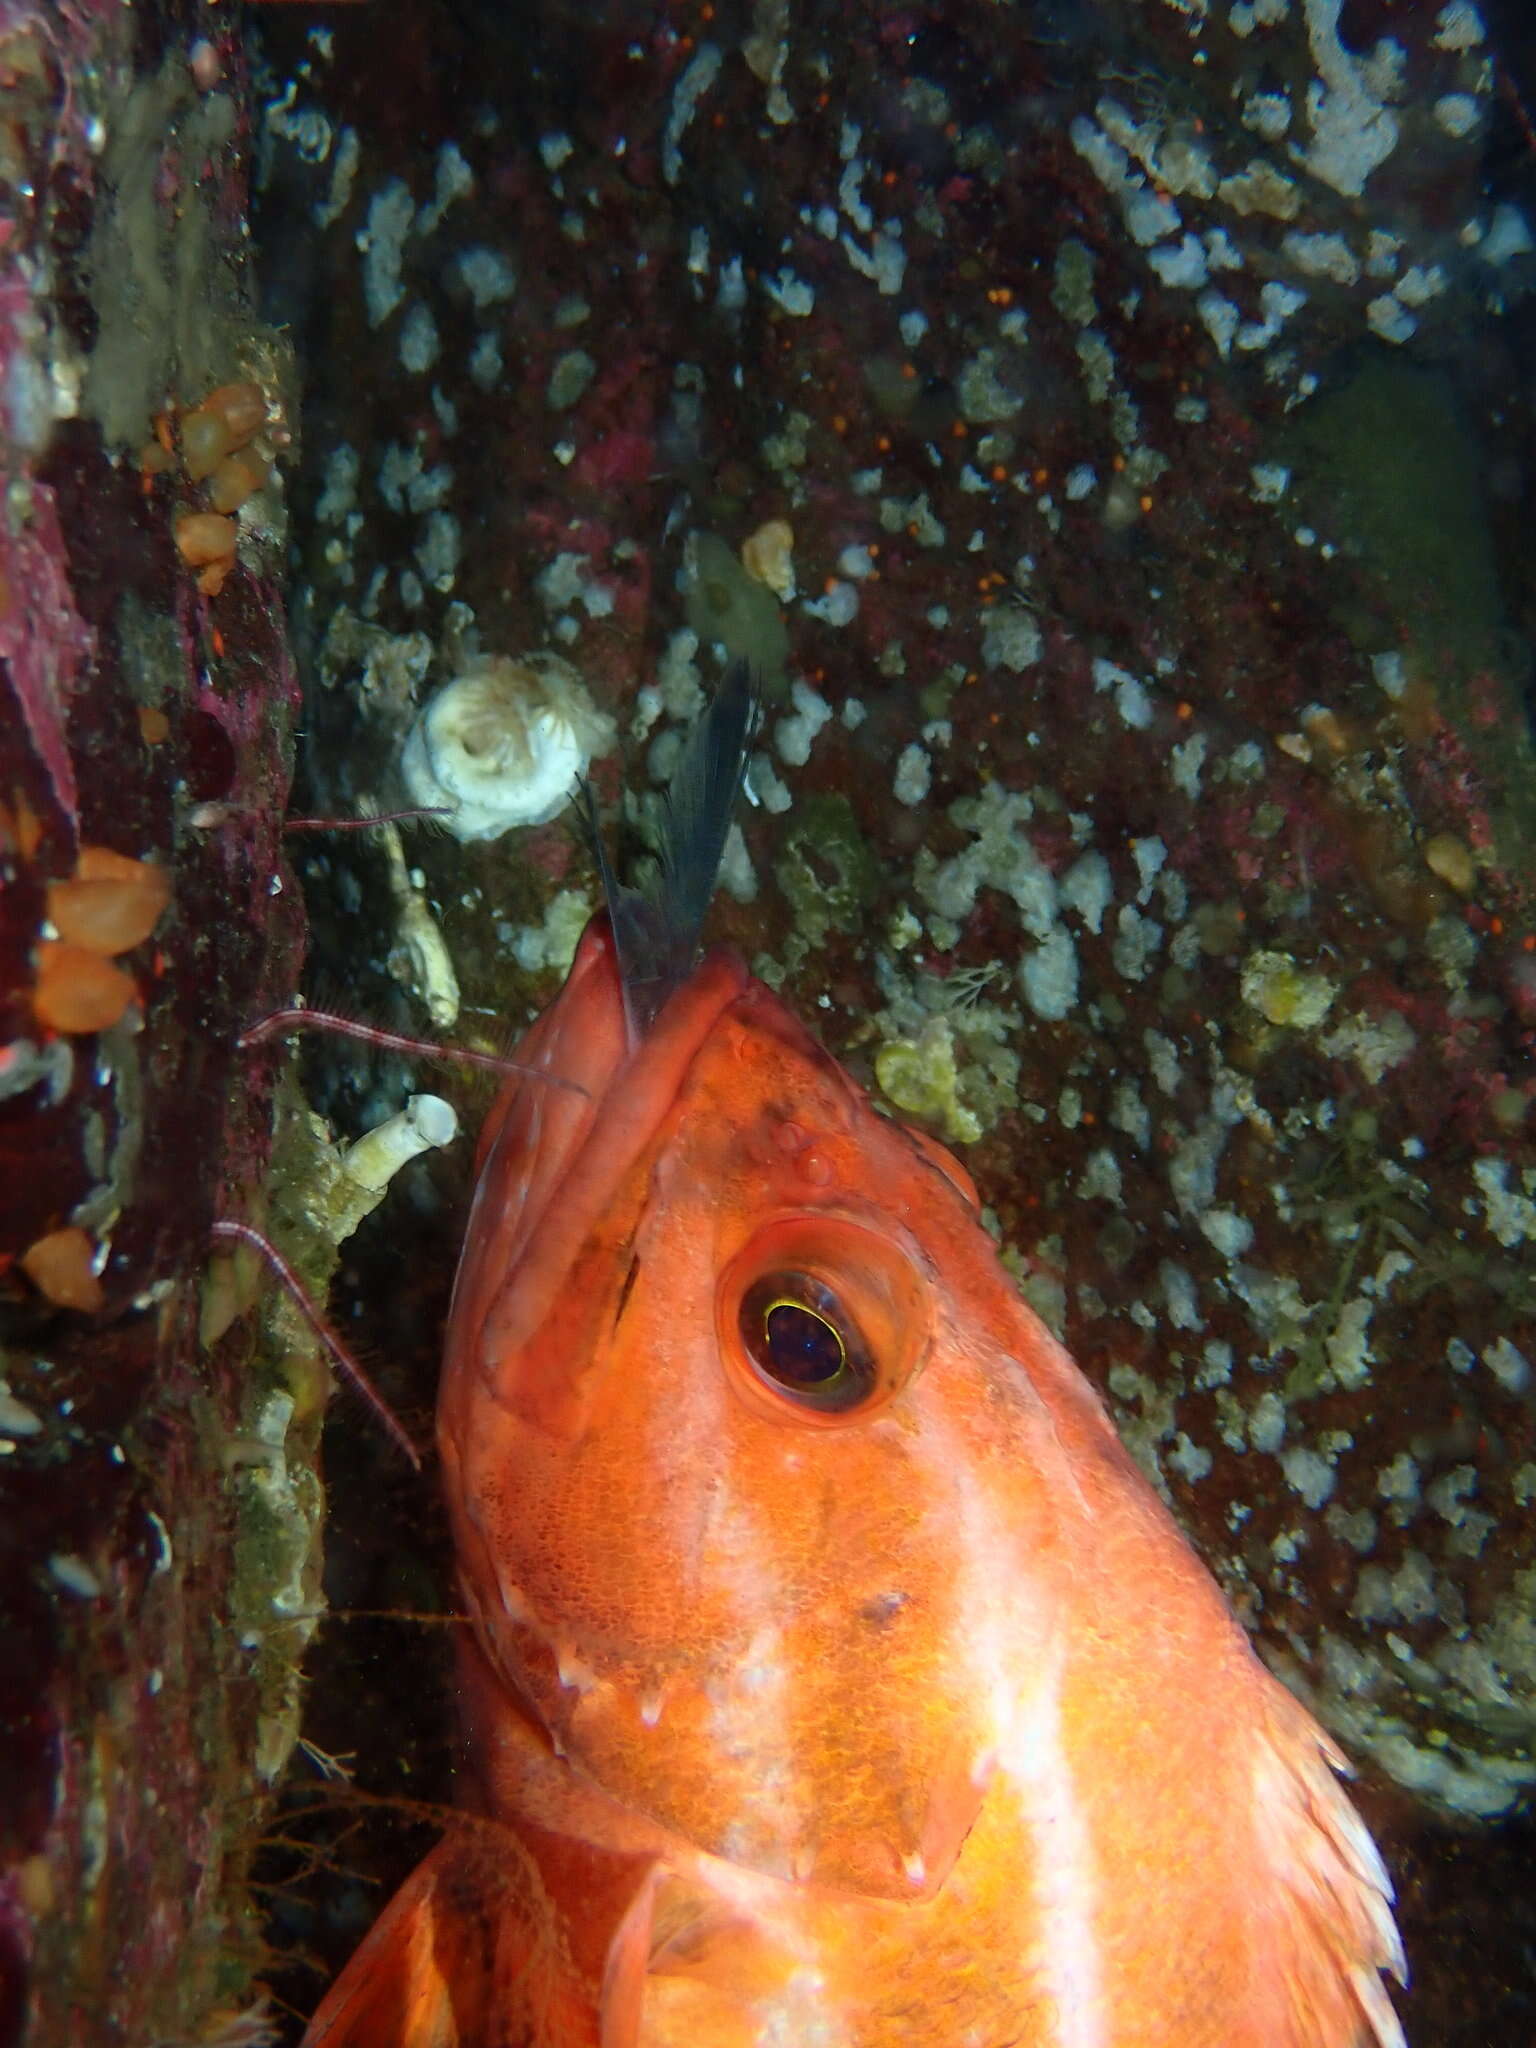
(503,744)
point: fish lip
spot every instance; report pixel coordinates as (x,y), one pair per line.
(567,1039)
(619,1079)
(551,1158)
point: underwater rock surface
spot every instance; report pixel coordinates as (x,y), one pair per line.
(159,1511)
(1150,791)
(1102,428)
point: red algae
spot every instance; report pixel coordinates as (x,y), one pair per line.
(147,1681)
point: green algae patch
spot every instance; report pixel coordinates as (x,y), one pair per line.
(167,281)
(275,1598)
(921,1078)
(829,877)
(1389,472)
(1397,481)
(1284,994)
(729,608)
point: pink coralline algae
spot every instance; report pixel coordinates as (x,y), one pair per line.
(43,644)
(145,1679)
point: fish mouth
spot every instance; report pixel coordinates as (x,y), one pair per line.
(551,1156)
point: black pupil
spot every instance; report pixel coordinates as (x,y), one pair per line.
(803,1350)
(799,1334)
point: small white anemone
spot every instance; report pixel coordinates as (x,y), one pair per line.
(503,743)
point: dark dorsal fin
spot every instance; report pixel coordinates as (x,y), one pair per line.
(656,926)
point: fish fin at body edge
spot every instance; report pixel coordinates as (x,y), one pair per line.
(499,1942)
(1336,1896)
(656,926)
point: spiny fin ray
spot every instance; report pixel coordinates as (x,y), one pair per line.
(656,926)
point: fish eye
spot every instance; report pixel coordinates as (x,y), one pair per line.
(823,1319)
(799,1336)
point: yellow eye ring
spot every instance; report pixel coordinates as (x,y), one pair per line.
(804,1342)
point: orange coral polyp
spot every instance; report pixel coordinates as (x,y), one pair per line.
(205,537)
(101,864)
(113,902)
(205,441)
(77,990)
(60,1268)
(236,477)
(242,408)
(110,916)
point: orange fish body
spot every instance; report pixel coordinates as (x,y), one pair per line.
(836,1680)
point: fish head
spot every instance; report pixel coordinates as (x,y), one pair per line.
(757,1515)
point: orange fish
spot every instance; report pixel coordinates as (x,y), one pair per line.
(835,1680)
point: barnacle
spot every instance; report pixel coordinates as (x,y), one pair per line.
(503,743)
